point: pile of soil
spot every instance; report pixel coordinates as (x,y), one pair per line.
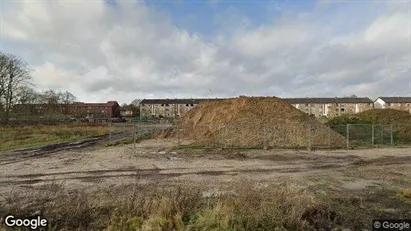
(252,122)
(385,116)
(400,121)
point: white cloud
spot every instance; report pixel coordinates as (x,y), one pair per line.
(102,52)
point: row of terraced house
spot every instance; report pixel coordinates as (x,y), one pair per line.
(318,107)
(110,109)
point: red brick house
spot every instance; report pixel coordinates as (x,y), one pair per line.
(110,109)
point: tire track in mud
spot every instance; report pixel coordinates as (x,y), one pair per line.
(18,155)
(150,174)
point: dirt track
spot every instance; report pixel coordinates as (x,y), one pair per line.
(154,160)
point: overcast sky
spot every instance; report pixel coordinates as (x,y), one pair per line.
(122,50)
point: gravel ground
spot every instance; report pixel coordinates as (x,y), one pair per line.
(156,161)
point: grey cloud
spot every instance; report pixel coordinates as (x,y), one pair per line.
(133,50)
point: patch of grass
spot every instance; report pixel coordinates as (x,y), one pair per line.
(244,206)
(405,195)
(150,207)
(32,136)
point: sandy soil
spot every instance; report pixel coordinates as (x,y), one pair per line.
(157,161)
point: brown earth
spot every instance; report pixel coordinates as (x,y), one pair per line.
(384,116)
(156,160)
(252,122)
(359,185)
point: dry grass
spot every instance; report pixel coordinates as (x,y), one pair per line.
(242,206)
(159,208)
(405,195)
(29,136)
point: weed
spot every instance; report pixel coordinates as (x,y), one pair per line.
(151,207)
(31,136)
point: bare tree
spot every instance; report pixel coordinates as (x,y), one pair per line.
(3,65)
(51,97)
(26,95)
(14,73)
(67,98)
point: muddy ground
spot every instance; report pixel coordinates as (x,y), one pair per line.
(158,161)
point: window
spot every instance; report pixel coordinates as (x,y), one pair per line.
(167,105)
(162,105)
(186,105)
(192,105)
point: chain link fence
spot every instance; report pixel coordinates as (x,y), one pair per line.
(372,135)
(292,136)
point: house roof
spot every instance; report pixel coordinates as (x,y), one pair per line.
(329,100)
(176,101)
(108,104)
(396,99)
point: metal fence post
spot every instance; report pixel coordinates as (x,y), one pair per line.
(329,137)
(218,136)
(309,137)
(348,136)
(134,135)
(264,137)
(178,135)
(372,135)
(109,132)
(225,137)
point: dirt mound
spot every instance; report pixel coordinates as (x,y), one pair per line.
(385,116)
(252,122)
(400,121)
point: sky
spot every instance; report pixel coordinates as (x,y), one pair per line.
(126,49)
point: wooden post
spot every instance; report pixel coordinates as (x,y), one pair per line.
(372,135)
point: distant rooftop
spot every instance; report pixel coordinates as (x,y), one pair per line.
(329,100)
(396,99)
(176,101)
